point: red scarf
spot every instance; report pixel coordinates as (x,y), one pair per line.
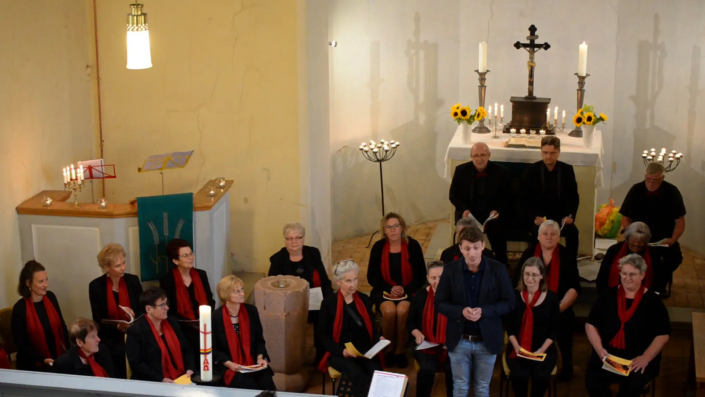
(406,272)
(36,331)
(338,326)
(239,345)
(183,300)
(113,311)
(173,345)
(614,279)
(95,367)
(624,314)
(439,335)
(553,268)
(316,279)
(526,332)
(4,360)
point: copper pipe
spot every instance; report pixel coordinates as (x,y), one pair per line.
(97,74)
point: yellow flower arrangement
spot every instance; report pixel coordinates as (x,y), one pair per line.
(481,113)
(586,116)
(603,117)
(463,114)
(457,106)
(455,113)
(578,120)
(589,118)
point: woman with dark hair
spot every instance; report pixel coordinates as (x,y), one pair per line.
(156,348)
(426,324)
(87,357)
(38,327)
(114,296)
(186,288)
(533,327)
(396,271)
(238,339)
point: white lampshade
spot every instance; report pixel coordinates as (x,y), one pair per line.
(138,52)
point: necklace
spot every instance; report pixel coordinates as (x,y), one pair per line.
(234,316)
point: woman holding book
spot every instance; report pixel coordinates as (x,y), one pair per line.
(115,301)
(238,339)
(430,326)
(532,329)
(396,271)
(38,327)
(87,356)
(629,322)
(345,321)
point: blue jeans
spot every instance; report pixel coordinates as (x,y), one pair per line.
(466,357)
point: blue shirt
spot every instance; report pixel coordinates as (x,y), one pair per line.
(472,290)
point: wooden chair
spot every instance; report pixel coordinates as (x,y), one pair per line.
(6,332)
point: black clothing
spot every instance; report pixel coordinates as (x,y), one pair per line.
(144,354)
(109,335)
(598,380)
(659,210)
(374,271)
(355,367)
(603,276)
(70,362)
(496,298)
(473,282)
(261,380)
(280,264)
(28,358)
(453,253)
(569,232)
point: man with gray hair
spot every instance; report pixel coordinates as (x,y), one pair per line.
(453,253)
(480,189)
(660,206)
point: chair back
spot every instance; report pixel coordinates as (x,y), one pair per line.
(6,330)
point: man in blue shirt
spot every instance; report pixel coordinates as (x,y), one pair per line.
(474,293)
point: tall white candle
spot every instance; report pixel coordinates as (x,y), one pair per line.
(564,116)
(501,112)
(206,343)
(496,109)
(582,60)
(73,173)
(64,172)
(482,62)
(555,115)
(548,115)
(80,173)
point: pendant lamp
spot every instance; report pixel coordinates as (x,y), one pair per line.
(138,52)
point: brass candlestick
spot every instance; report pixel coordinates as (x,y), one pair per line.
(578,131)
(482,90)
(75,185)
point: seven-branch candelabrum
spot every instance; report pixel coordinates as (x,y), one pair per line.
(73,180)
(379,152)
(670,161)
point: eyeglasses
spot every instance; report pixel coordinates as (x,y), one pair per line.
(532,275)
(636,245)
(295,238)
(162,306)
(394,226)
(628,275)
(480,156)
(184,256)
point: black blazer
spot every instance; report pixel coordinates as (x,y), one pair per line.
(221,348)
(374,270)
(569,276)
(27,358)
(326,322)
(70,363)
(168,284)
(534,196)
(279,264)
(145,356)
(603,276)
(97,292)
(496,299)
(463,186)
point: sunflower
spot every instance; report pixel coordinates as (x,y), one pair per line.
(578,120)
(603,117)
(580,111)
(455,113)
(589,118)
(481,113)
(457,106)
(464,112)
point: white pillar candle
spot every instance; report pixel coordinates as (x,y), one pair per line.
(496,109)
(206,343)
(501,113)
(80,173)
(582,59)
(489,112)
(555,115)
(73,173)
(548,115)
(564,117)
(482,62)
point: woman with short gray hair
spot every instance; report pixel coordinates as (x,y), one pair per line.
(636,241)
(346,317)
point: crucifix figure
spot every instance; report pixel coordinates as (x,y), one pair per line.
(531,47)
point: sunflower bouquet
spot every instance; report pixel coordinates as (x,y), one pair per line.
(587,116)
(462,114)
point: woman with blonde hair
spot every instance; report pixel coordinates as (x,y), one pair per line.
(114,297)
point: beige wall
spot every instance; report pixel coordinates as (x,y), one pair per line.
(225,84)
(45,110)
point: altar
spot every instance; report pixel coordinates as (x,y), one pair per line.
(587,163)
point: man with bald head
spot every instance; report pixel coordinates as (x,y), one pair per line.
(481,188)
(660,205)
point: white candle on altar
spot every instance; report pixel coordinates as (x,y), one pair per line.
(564,117)
(489,112)
(548,115)
(73,173)
(80,173)
(555,116)
(582,60)
(501,112)
(64,172)
(496,108)
(206,343)
(482,62)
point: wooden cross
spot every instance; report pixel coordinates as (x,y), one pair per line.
(532,47)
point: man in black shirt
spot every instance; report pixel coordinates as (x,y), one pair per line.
(551,192)
(660,205)
(480,188)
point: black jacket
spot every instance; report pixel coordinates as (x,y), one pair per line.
(603,276)
(280,265)
(221,348)
(70,363)
(569,276)
(145,356)
(374,270)
(29,359)
(98,295)
(534,196)
(326,322)
(462,189)
(496,299)
(168,284)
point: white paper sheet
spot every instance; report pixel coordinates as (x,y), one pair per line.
(426,345)
(604,243)
(588,270)
(387,384)
(315,297)
(377,348)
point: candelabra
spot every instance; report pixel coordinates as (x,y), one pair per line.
(496,124)
(578,131)
(482,90)
(74,180)
(379,152)
(554,128)
(673,156)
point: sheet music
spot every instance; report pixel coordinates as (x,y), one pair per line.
(315,297)
(387,384)
(426,345)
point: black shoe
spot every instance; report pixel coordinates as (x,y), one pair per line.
(566,374)
(401,361)
(389,360)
